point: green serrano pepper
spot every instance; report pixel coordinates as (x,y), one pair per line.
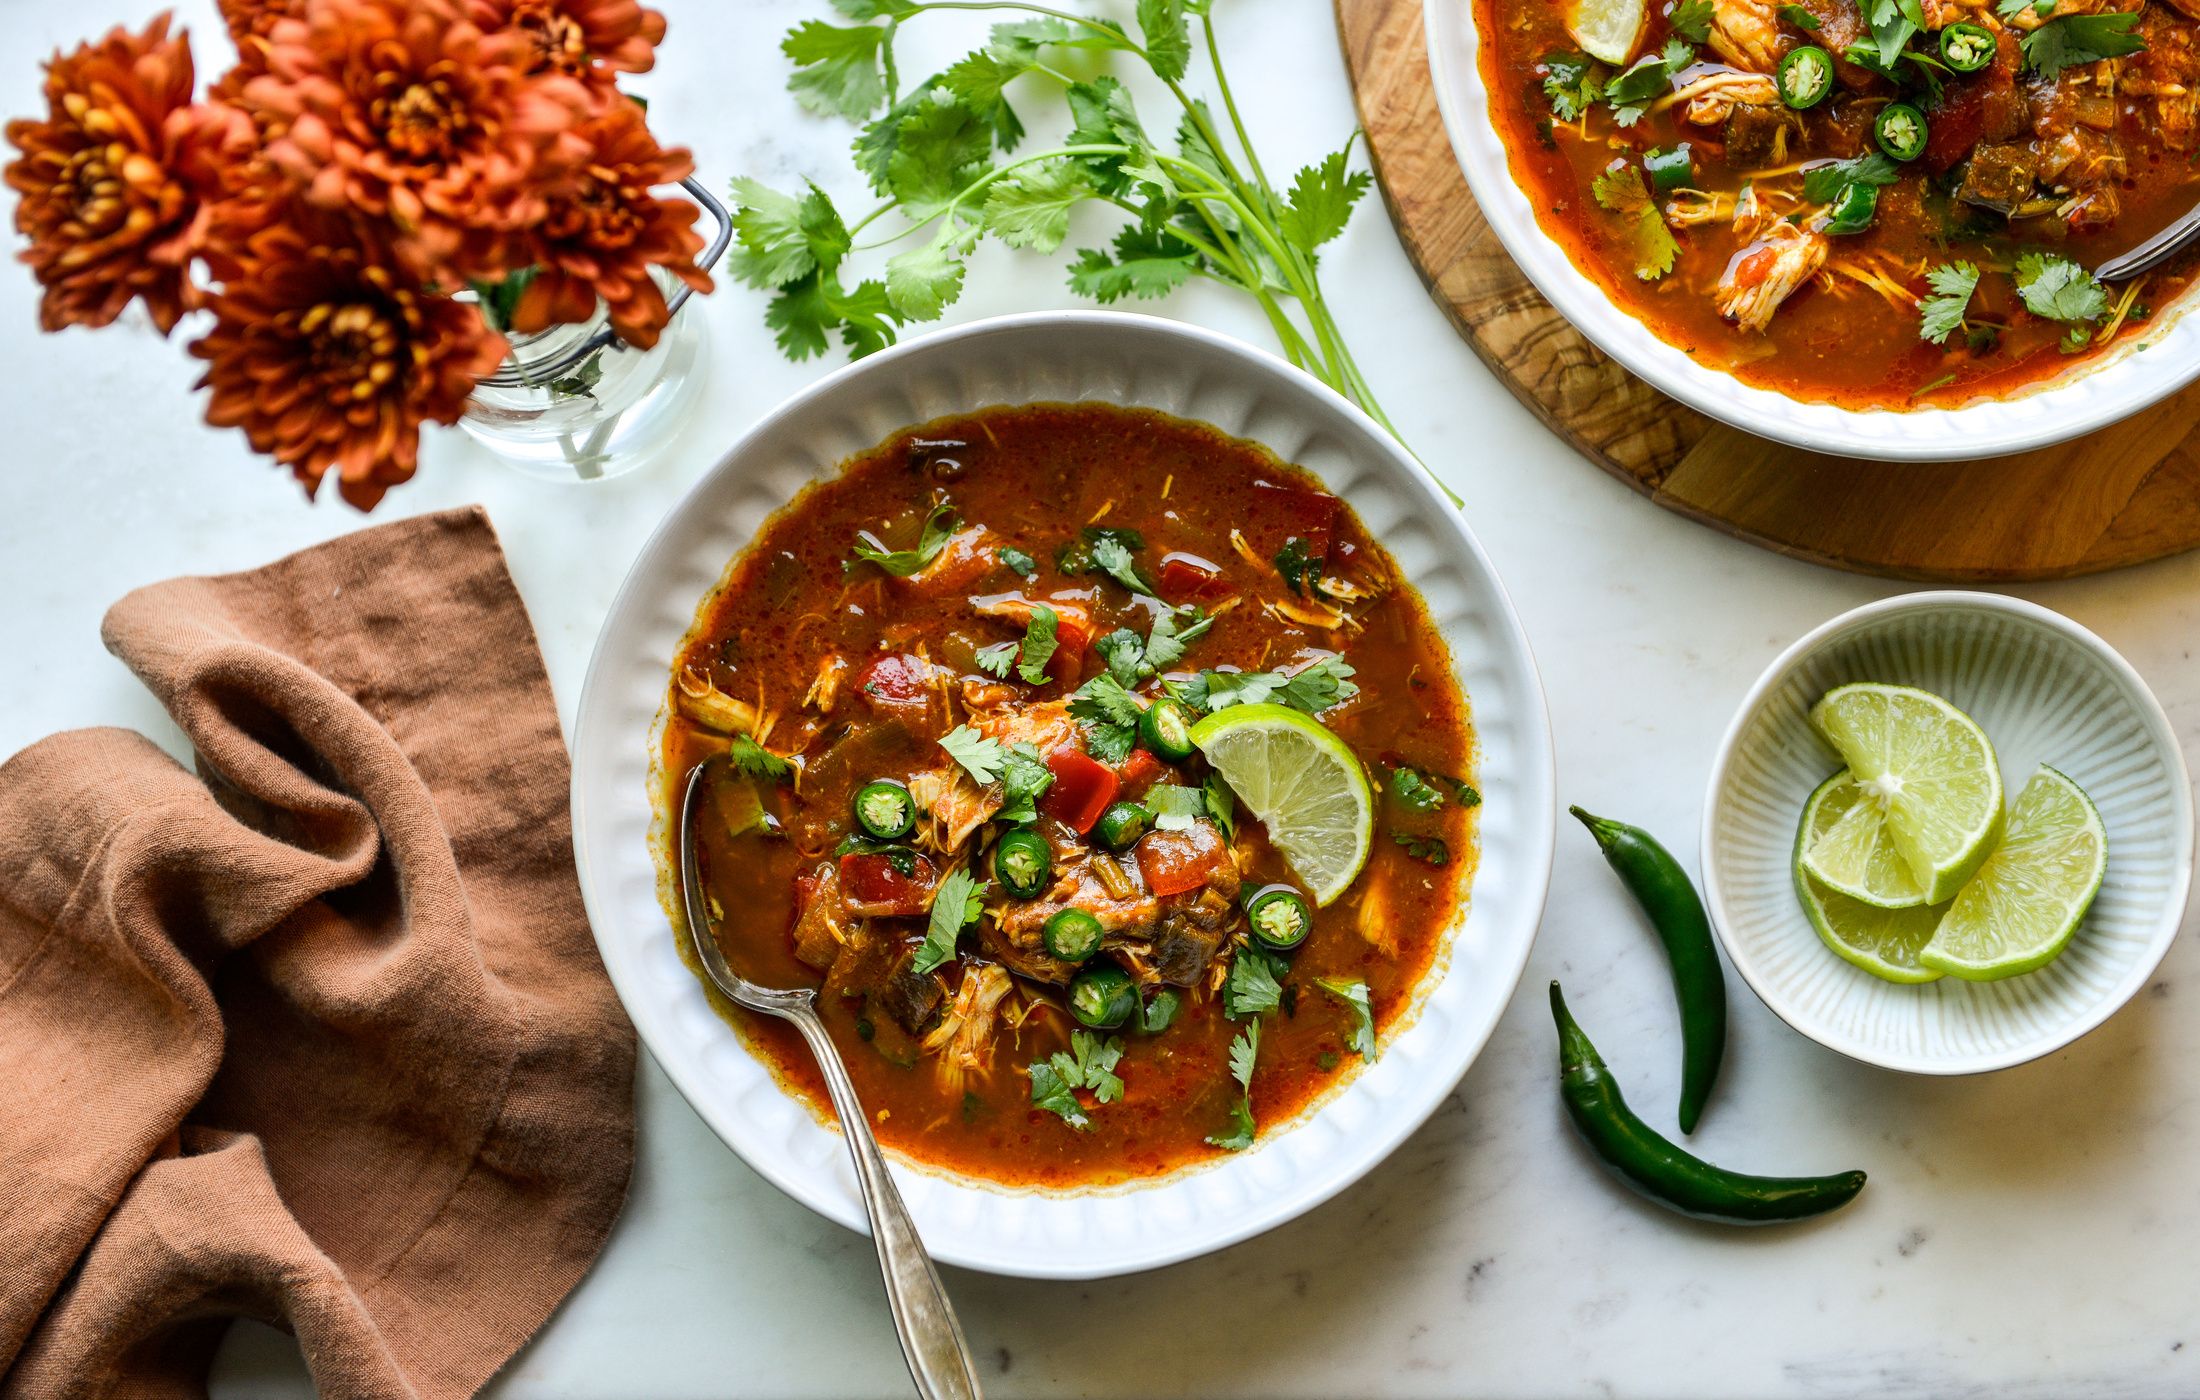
(1663,890)
(1662,1171)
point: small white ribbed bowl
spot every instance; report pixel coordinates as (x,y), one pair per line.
(2046,691)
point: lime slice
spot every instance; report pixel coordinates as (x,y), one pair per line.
(1850,848)
(1884,942)
(1304,785)
(1929,769)
(1607,30)
(2019,911)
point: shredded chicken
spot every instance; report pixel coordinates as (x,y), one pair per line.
(1746,33)
(2167,70)
(824,692)
(966,1029)
(712,708)
(1759,279)
(1690,208)
(953,807)
(1751,215)
(1712,97)
(1018,609)
(986,695)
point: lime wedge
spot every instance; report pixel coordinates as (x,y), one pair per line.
(1304,785)
(1607,30)
(1850,848)
(2021,908)
(1929,769)
(1884,942)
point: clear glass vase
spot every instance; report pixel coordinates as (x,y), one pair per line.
(576,403)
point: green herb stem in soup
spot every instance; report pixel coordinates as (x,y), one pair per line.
(956,685)
(1870,203)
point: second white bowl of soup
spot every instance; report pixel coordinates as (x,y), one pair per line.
(1751,305)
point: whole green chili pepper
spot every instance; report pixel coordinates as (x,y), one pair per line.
(1662,1171)
(1663,890)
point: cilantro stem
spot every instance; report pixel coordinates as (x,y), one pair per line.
(962,195)
(1229,104)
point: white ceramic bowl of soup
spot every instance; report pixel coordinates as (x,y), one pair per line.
(2096,392)
(2045,690)
(1113,358)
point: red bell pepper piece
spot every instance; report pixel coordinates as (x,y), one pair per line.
(1176,861)
(875,889)
(1082,789)
(895,679)
(1071,638)
(1139,769)
(1189,578)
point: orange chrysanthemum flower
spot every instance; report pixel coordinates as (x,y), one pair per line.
(405,109)
(329,354)
(111,181)
(606,228)
(255,19)
(579,38)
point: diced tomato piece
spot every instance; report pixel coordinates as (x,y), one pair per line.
(1310,516)
(1189,578)
(1071,639)
(1139,769)
(1082,789)
(1176,861)
(895,679)
(875,889)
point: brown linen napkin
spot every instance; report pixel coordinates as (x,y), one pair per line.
(321,1039)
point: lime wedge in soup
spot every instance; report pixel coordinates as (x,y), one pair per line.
(1306,787)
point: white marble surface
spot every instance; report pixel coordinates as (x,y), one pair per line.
(2033,1233)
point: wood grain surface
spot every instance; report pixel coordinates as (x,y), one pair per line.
(2120,496)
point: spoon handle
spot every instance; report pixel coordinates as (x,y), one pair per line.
(931,1338)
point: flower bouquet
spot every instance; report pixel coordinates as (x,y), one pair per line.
(362,205)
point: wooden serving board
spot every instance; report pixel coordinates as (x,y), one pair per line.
(2123,495)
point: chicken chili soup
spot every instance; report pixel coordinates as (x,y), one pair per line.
(1869,203)
(958,700)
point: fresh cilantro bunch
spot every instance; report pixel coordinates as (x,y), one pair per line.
(944,157)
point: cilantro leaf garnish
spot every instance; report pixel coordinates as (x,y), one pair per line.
(1413,791)
(1113,558)
(1221,805)
(2075,39)
(1302,571)
(955,906)
(1647,77)
(1123,650)
(1941,314)
(1244,1051)
(939,528)
(1691,19)
(1254,984)
(1801,18)
(1110,715)
(1354,995)
(1619,187)
(1038,644)
(1824,181)
(1170,636)
(1025,778)
(1321,686)
(1017,561)
(1315,687)
(1174,807)
(981,757)
(998,658)
(1572,83)
(1088,1064)
(2059,289)
(1431,849)
(753,760)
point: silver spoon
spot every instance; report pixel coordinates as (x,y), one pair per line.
(2152,253)
(931,1338)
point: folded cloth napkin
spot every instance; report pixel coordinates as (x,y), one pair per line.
(319,1035)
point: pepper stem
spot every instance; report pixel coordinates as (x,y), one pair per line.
(1574,1050)
(1604,829)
